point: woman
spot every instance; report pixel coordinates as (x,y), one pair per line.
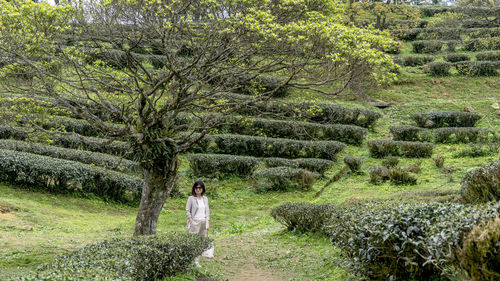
(198,212)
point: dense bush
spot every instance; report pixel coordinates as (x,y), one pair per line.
(477,23)
(446,119)
(303,217)
(409,133)
(312,164)
(488,56)
(457,57)
(477,68)
(64,175)
(430,11)
(378,174)
(416,60)
(440,33)
(133,259)
(482,44)
(400,176)
(482,184)
(439,160)
(477,150)
(104,160)
(462,135)
(219,165)
(390,161)
(427,46)
(251,85)
(295,130)
(480,253)
(268,147)
(401,241)
(440,68)
(383,148)
(484,32)
(354,163)
(284,178)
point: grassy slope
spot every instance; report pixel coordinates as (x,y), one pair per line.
(36,226)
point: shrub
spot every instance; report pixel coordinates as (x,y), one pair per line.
(484,32)
(446,119)
(456,57)
(479,256)
(430,11)
(417,60)
(474,150)
(476,23)
(249,84)
(482,184)
(390,161)
(87,157)
(482,44)
(284,178)
(378,174)
(267,147)
(132,259)
(488,56)
(354,163)
(383,148)
(439,160)
(312,164)
(477,68)
(217,165)
(440,33)
(462,135)
(452,45)
(440,68)
(302,217)
(427,46)
(409,133)
(399,176)
(414,168)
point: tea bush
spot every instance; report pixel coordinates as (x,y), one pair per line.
(284,178)
(439,160)
(462,135)
(475,150)
(378,174)
(488,56)
(482,184)
(446,119)
(250,85)
(390,161)
(440,68)
(482,44)
(312,164)
(410,133)
(354,163)
(400,176)
(219,165)
(427,46)
(456,57)
(142,258)
(416,60)
(477,68)
(303,217)
(383,148)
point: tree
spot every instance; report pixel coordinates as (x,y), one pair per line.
(87,57)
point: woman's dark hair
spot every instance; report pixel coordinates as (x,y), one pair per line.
(196,184)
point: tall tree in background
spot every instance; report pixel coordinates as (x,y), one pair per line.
(87,57)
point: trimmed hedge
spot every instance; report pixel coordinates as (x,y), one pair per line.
(303,217)
(142,258)
(400,176)
(295,130)
(312,164)
(268,147)
(284,178)
(441,119)
(427,46)
(250,85)
(219,165)
(477,68)
(482,44)
(482,184)
(416,60)
(462,135)
(354,163)
(440,68)
(104,160)
(383,148)
(488,56)
(64,175)
(456,57)
(409,133)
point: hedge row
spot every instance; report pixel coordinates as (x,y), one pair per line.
(312,164)
(267,147)
(456,57)
(443,135)
(441,119)
(250,85)
(88,157)
(383,148)
(415,60)
(488,56)
(284,178)
(314,112)
(295,130)
(468,68)
(394,241)
(427,46)
(482,44)
(64,175)
(143,258)
(219,165)
(482,184)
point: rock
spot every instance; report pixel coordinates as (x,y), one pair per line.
(469,109)
(495,105)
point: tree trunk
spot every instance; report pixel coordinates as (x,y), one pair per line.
(158,182)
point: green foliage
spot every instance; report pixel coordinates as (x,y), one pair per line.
(482,44)
(439,160)
(416,60)
(482,184)
(312,164)
(488,56)
(440,68)
(303,217)
(87,157)
(485,32)
(284,178)
(463,135)
(354,163)
(134,259)
(427,46)
(268,147)
(252,85)
(383,148)
(378,174)
(430,11)
(390,161)
(456,57)
(220,165)
(440,119)
(409,133)
(477,150)
(400,176)
(64,175)
(477,68)
(479,255)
